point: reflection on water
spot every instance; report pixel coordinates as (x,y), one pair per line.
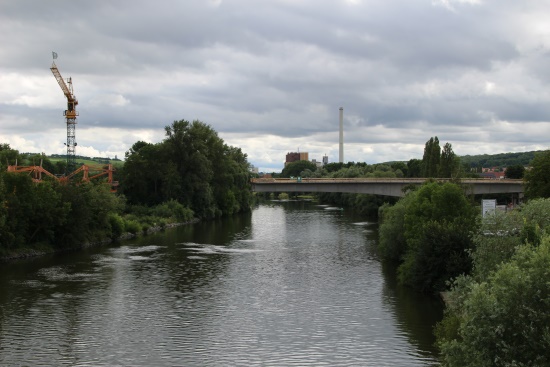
(291,284)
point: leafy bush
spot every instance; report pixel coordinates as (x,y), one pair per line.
(501,233)
(429,231)
(138,210)
(441,257)
(163,210)
(504,320)
(537,179)
(117,225)
(537,211)
(392,244)
(132,226)
(181,212)
(283,196)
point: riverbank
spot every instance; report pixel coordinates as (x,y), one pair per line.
(41,249)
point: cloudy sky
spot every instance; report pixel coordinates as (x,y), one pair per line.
(270,75)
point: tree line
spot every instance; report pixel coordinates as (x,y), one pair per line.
(498,160)
(192,173)
(493,270)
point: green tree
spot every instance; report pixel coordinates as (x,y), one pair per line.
(41,160)
(194,147)
(437,224)
(400,166)
(503,320)
(414,168)
(91,206)
(6,236)
(496,241)
(333,167)
(501,233)
(48,212)
(191,165)
(8,156)
(515,171)
(231,181)
(295,169)
(449,162)
(18,204)
(537,179)
(392,244)
(499,242)
(141,176)
(431,158)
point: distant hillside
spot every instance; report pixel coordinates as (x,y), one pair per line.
(498,160)
(87,160)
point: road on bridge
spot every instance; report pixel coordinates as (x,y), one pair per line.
(379,186)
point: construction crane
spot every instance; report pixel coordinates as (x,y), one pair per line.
(70,114)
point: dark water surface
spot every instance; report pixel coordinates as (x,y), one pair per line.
(291,284)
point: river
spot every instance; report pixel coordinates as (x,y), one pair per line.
(289,284)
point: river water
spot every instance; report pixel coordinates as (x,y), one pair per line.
(290,284)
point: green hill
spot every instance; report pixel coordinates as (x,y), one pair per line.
(498,160)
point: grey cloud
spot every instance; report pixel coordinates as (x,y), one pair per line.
(282,68)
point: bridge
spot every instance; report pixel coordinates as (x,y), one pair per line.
(379,186)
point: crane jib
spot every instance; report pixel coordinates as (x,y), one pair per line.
(67,90)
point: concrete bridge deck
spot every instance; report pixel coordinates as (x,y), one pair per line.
(378,186)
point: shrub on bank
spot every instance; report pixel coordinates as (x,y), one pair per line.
(392,244)
(170,210)
(117,225)
(283,196)
(132,226)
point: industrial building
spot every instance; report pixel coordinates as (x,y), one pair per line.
(296,156)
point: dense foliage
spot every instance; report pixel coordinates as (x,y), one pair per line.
(192,173)
(298,168)
(497,160)
(538,177)
(498,315)
(428,234)
(49,214)
(449,163)
(431,158)
(192,166)
(516,171)
(437,162)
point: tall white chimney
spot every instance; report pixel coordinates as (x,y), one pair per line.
(341,155)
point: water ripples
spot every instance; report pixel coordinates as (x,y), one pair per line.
(302,290)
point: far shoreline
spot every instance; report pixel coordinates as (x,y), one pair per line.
(29,252)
